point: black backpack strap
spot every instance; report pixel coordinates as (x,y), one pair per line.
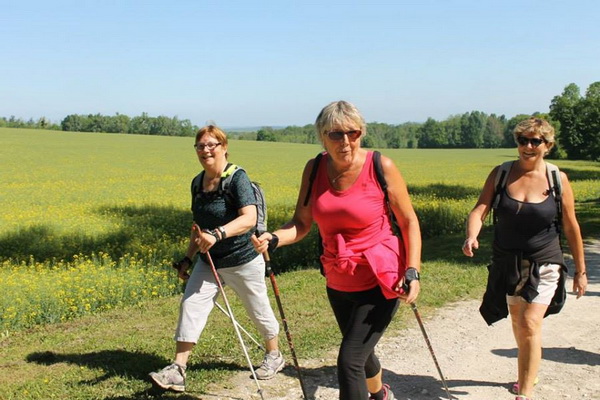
(196,187)
(500,184)
(311,178)
(379,173)
(553,174)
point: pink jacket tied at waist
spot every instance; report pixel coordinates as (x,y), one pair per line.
(385,258)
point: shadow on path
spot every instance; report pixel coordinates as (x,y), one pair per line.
(566,355)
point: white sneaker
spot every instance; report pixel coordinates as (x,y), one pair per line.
(171,377)
(271,364)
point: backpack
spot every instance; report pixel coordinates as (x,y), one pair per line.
(553,176)
(376,159)
(225,191)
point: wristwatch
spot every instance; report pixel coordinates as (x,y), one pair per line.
(411,274)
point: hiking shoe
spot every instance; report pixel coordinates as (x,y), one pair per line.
(171,377)
(387,393)
(271,364)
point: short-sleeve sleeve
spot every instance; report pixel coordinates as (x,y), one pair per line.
(241,189)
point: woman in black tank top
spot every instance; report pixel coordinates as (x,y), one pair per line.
(526,237)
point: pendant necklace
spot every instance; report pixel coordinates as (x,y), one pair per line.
(337,177)
(334,180)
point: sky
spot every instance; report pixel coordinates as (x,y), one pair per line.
(277,63)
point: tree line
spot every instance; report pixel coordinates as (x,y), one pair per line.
(120,123)
(576,119)
(41,123)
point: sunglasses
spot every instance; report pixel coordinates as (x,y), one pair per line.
(339,135)
(535,142)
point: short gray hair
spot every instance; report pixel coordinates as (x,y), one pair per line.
(339,113)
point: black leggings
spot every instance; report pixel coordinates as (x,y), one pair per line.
(362,318)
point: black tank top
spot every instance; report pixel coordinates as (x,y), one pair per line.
(528,227)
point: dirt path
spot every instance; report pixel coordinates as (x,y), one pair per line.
(478,361)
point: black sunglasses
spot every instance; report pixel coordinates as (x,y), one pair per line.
(535,142)
(339,135)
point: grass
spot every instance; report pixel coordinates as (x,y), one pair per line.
(109,212)
(107,356)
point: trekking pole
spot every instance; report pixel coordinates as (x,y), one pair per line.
(260,346)
(235,325)
(284,320)
(437,365)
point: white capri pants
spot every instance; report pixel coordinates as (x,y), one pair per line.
(246,280)
(549,277)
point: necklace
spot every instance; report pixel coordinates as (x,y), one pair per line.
(337,177)
(334,180)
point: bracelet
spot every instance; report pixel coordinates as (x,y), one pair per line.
(213,233)
(222,231)
(581,273)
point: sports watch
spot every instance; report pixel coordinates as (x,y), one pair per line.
(411,274)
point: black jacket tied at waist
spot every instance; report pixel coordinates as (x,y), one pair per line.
(516,273)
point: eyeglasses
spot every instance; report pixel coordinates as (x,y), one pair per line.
(209,146)
(535,142)
(339,135)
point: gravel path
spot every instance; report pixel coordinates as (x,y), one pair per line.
(478,361)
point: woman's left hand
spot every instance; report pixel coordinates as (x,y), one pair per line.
(580,284)
(413,291)
(261,244)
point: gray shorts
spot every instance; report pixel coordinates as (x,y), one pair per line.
(246,280)
(549,277)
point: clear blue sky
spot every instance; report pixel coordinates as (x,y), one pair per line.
(257,63)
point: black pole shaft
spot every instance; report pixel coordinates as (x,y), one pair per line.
(284,320)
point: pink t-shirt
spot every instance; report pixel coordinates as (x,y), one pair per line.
(360,249)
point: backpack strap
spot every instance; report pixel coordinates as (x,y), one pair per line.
(196,187)
(227,176)
(379,173)
(261,204)
(313,175)
(383,184)
(553,176)
(499,185)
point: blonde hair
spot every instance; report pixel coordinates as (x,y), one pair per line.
(341,114)
(537,126)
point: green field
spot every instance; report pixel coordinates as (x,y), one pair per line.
(90,223)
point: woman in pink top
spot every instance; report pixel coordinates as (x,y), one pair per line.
(364,263)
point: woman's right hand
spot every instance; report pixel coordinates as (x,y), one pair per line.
(182,267)
(469,245)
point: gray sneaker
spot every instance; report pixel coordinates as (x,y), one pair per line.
(171,377)
(271,364)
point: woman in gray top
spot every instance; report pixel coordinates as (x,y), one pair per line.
(223,224)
